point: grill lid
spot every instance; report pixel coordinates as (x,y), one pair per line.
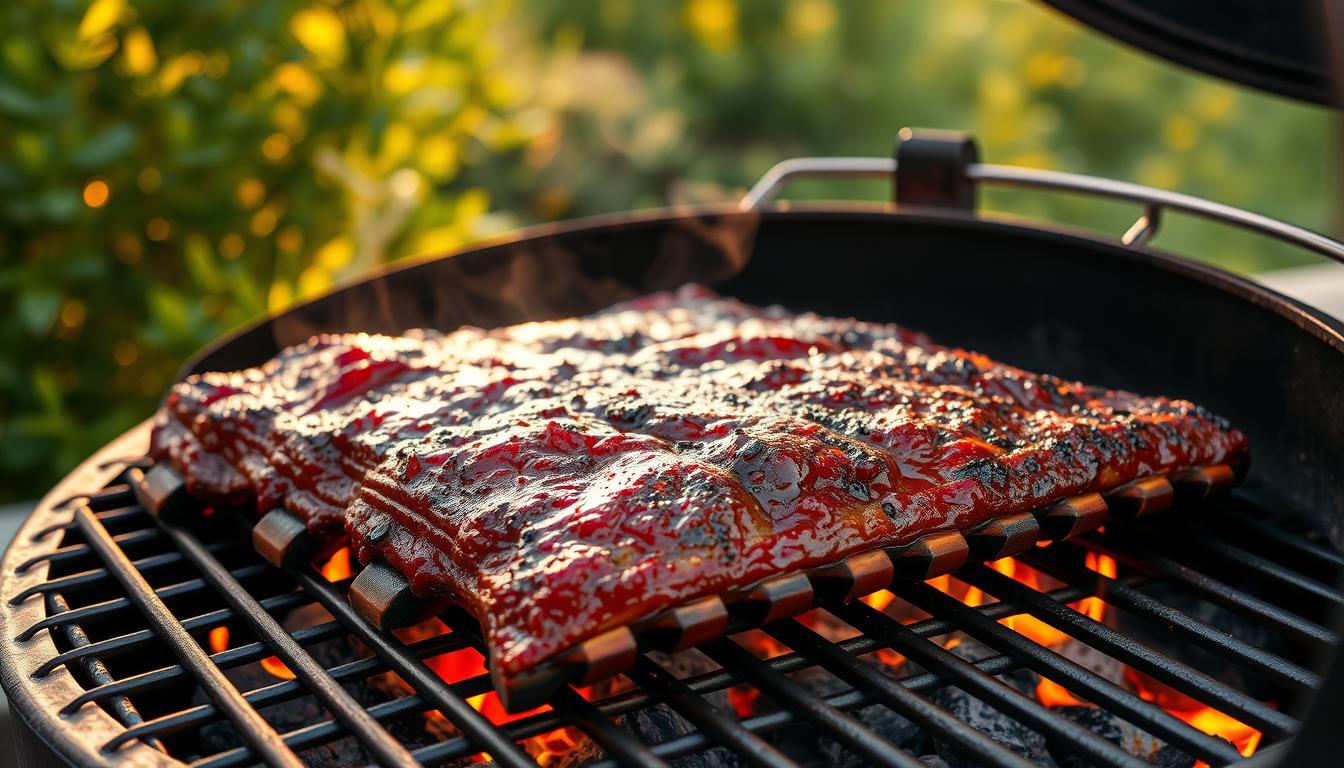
(1280,47)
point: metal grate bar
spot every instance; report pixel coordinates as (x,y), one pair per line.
(77,551)
(343,707)
(1215,591)
(233,657)
(259,734)
(1076,678)
(617,742)
(1290,543)
(140,638)
(120,604)
(845,729)
(121,707)
(423,679)
(1193,630)
(321,733)
(275,693)
(108,518)
(717,680)
(1181,677)
(1254,563)
(568,704)
(78,582)
(725,730)
(1092,748)
(623,703)
(970,742)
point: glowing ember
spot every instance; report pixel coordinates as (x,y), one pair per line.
(465,664)
(218,639)
(276,668)
(338,567)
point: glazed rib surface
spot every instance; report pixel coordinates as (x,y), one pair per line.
(563,478)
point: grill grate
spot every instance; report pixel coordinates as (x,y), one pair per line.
(130,599)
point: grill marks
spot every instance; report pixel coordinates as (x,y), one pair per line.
(563,478)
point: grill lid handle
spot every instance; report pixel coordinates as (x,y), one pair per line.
(935,153)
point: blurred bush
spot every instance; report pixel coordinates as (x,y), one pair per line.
(170,170)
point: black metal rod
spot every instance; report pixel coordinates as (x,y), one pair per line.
(228,659)
(1296,544)
(618,743)
(1181,677)
(695,741)
(275,693)
(1189,628)
(971,743)
(120,604)
(122,708)
(1075,678)
(342,706)
(717,680)
(850,732)
(140,638)
(1244,559)
(321,733)
(76,551)
(1139,555)
(1059,731)
(255,731)
(77,582)
(108,518)
(568,704)
(416,674)
(724,728)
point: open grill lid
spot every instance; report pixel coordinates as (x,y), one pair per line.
(1276,46)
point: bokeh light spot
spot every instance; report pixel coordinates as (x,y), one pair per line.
(96,193)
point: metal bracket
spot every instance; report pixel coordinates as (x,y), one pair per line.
(931,169)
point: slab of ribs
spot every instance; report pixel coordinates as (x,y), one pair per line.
(559,479)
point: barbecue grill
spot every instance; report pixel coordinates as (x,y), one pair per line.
(135,638)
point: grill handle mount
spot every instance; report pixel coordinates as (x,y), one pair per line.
(946,176)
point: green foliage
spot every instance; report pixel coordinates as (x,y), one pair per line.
(171,170)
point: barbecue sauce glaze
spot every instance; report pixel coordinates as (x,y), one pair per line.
(563,478)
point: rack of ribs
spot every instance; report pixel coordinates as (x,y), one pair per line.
(561,479)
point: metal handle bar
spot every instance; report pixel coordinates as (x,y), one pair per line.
(1153,200)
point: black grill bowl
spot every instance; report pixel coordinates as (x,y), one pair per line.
(1043,299)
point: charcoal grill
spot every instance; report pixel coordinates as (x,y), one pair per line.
(1232,600)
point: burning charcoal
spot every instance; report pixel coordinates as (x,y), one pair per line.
(811,746)
(934,761)
(1171,757)
(1133,740)
(690,663)
(970,649)
(653,725)
(998,726)
(1093,660)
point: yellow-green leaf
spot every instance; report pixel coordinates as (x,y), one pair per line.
(100,17)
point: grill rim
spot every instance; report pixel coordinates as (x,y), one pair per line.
(36,702)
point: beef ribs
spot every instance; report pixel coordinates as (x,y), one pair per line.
(562,478)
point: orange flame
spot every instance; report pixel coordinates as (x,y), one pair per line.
(338,567)
(465,664)
(218,639)
(276,668)
(1247,739)
(1203,717)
